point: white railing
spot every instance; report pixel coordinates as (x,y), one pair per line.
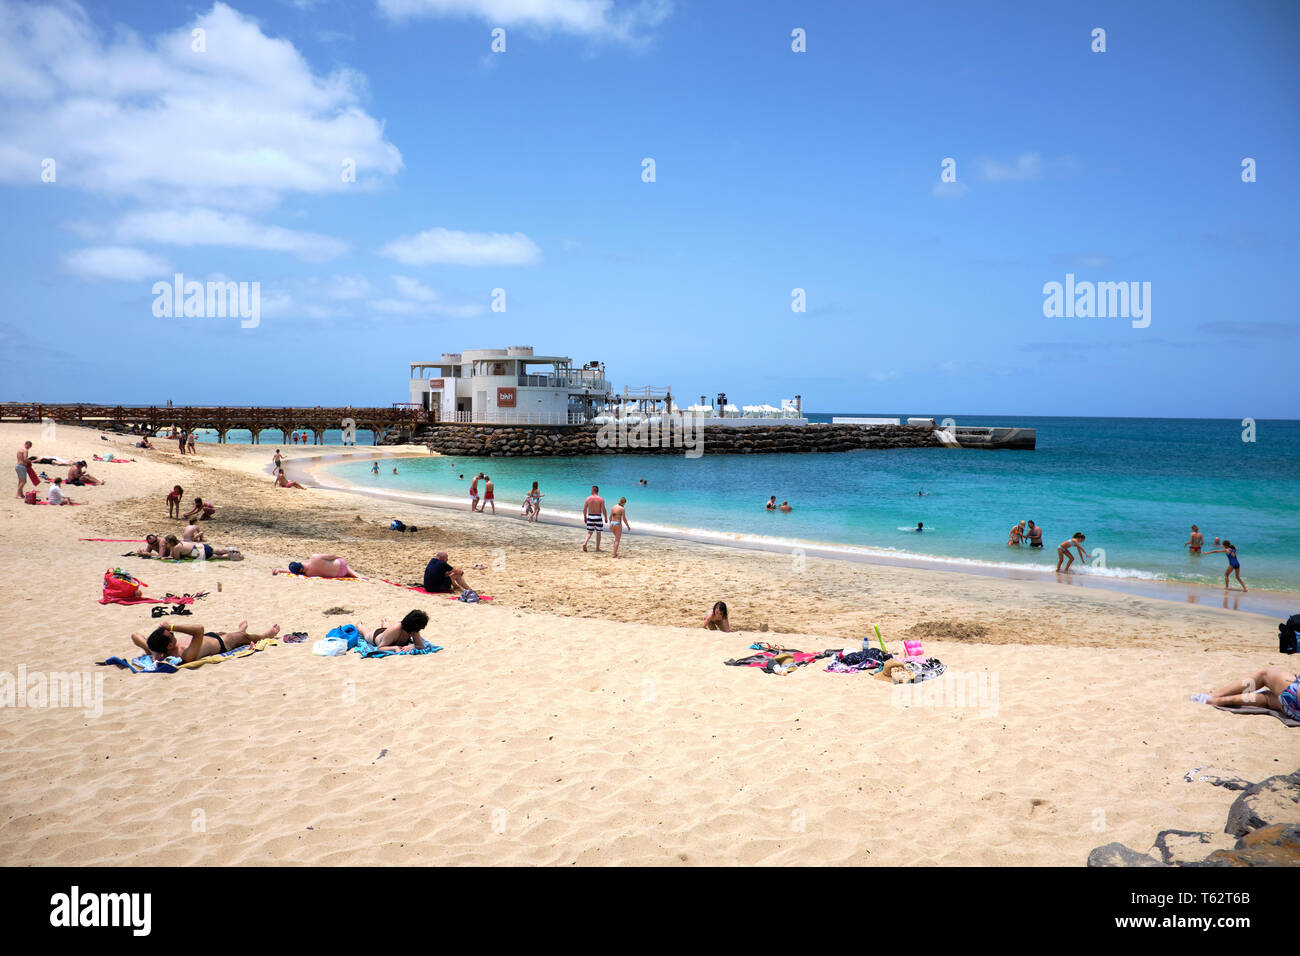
(508,417)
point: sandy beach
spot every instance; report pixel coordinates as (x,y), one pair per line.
(583,716)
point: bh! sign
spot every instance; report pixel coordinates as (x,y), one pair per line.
(505,398)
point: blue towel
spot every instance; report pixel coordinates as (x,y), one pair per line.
(366,649)
(145,664)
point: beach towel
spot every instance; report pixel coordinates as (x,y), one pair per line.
(1262,710)
(419,590)
(64,505)
(118,540)
(115,461)
(287,573)
(145,664)
(366,649)
(766,659)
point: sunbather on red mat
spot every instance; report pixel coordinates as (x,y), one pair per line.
(194,641)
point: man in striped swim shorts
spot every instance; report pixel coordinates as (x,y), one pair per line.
(594,514)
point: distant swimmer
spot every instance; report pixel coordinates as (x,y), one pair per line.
(1234,566)
(1035,534)
(771,503)
(785,508)
(1063,551)
(1194,541)
(1017,534)
(394,471)
(920,526)
(374,468)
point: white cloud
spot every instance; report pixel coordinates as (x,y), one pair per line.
(120,263)
(410,288)
(347,288)
(449,247)
(238,124)
(208,227)
(627,22)
(1025,167)
(943,190)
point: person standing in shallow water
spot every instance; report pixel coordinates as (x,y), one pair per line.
(1234,565)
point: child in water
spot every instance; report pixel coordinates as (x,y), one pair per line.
(1233,564)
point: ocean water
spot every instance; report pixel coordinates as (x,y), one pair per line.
(1133,486)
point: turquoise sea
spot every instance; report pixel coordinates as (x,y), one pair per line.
(1133,486)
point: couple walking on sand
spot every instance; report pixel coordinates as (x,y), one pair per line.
(595,514)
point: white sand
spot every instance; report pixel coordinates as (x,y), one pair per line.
(583,716)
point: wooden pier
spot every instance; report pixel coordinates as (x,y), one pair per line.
(152,419)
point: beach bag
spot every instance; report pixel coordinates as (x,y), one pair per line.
(30,497)
(120,586)
(347,633)
(397,526)
(1286,634)
(330,647)
(469,596)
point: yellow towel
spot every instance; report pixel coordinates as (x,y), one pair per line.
(244,651)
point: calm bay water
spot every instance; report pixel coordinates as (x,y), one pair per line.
(1133,486)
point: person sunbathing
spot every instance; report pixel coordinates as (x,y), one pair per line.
(200,550)
(152,543)
(1273,687)
(204,509)
(195,642)
(408,632)
(77,475)
(322,566)
(282,480)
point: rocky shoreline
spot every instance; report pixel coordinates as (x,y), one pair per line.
(511,441)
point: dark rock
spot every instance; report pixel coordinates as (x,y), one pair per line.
(1117,854)
(1272,801)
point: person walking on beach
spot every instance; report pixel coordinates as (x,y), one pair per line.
(180,441)
(473,492)
(594,515)
(276,458)
(1195,541)
(191,444)
(618,522)
(533,503)
(488,495)
(23,466)
(1063,551)
(1233,564)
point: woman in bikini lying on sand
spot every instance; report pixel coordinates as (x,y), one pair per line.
(1273,687)
(180,550)
(408,632)
(164,643)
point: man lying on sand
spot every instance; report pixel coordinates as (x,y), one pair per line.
(441,578)
(321,566)
(408,632)
(196,642)
(180,550)
(1273,687)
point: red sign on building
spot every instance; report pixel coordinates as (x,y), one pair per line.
(437,383)
(505,398)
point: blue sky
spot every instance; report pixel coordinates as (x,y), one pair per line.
(775,170)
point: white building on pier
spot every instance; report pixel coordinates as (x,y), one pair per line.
(509,386)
